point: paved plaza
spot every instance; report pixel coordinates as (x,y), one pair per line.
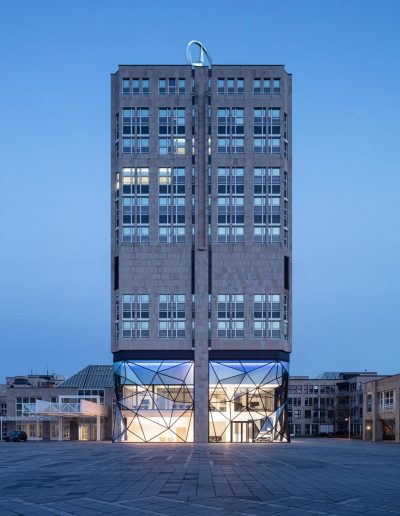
(308,476)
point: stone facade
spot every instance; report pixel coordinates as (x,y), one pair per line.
(200,268)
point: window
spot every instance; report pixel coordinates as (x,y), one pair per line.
(135,130)
(231,86)
(145,86)
(267,122)
(260,315)
(135,209)
(230,311)
(274,316)
(369,402)
(135,86)
(267,205)
(162,86)
(297,414)
(171,86)
(221,85)
(257,86)
(135,316)
(240,85)
(125,86)
(386,401)
(267,86)
(230,122)
(230,205)
(171,315)
(182,85)
(172,205)
(277,86)
(116,319)
(172,122)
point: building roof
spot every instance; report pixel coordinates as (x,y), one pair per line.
(91,377)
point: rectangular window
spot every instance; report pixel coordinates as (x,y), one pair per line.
(125,86)
(182,85)
(257,86)
(267,86)
(135,86)
(277,86)
(230,205)
(230,310)
(135,130)
(274,316)
(135,316)
(162,86)
(135,209)
(171,315)
(260,315)
(231,86)
(240,85)
(172,86)
(267,205)
(172,205)
(221,85)
(145,86)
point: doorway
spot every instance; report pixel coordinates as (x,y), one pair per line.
(243,431)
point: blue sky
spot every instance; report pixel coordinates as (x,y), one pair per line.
(55,61)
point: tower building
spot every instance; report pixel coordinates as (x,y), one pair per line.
(201,163)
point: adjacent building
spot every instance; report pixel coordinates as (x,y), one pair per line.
(381,409)
(201,162)
(331,404)
(48,407)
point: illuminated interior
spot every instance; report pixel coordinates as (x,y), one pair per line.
(154,401)
(248,401)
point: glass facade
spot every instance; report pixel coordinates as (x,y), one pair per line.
(154,401)
(247,401)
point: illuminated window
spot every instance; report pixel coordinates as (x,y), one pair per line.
(135,210)
(172,205)
(135,316)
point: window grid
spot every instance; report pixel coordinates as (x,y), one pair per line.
(135,130)
(267,130)
(230,205)
(230,312)
(267,205)
(230,130)
(171,315)
(260,315)
(172,205)
(135,316)
(135,210)
(274,316)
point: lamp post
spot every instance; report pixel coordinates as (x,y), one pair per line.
(349,420)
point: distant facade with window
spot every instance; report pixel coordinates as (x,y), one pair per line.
(201,252)
(381,409)
(50,407)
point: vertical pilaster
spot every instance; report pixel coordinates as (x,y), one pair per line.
(201,259)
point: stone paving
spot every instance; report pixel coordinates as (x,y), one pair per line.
(308,476)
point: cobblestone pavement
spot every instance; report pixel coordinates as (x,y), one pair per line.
(308,476)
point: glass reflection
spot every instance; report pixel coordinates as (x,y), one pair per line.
(247,401)
(154,401)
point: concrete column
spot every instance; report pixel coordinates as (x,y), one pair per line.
(98,436)
(202,257)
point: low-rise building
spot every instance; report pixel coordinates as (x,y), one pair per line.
(381,409)
(330,404)
(50,407)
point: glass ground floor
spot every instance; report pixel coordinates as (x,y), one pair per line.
(246,401)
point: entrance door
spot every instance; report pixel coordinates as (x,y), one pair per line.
(243,431)
(84,432)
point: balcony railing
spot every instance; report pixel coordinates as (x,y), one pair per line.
(387,407)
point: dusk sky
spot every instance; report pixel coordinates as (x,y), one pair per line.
(55,61)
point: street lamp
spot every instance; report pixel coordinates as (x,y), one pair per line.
(349,420)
